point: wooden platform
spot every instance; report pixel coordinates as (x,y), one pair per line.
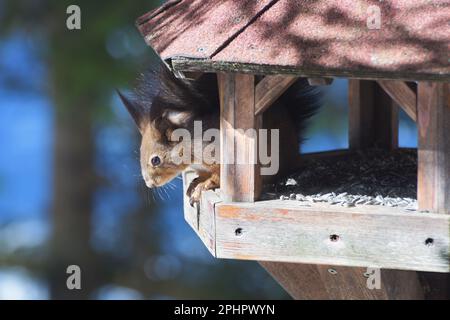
(300,37)
(287,231)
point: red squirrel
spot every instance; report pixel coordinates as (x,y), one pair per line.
(162,103)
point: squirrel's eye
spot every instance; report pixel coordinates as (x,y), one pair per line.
(155,161)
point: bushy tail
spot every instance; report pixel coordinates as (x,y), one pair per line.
(302,102)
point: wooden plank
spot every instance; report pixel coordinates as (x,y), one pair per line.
(434,147)
(401,93)
(269,90)
(386,120)
(201,218)
(240,174)
(373,117)
(363,236)
(361,104)
(320,81)
(205,65)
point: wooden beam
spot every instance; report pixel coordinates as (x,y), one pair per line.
(320,282)
(208,65)
(386,119)
(319,233)
(373,118)
(320,81)
(434,147)
(269,90)
(401,93)
(361,104)
(240,177)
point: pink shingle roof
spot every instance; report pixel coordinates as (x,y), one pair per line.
(321,37)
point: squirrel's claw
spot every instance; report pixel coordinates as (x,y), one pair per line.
(197,186)
(192,186)
(193,201)
(196,193)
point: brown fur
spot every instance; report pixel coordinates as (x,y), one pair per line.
(163,103)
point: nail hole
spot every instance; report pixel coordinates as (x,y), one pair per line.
(367,275)
(334,238)
(429,242)
(238,232)
(332,271)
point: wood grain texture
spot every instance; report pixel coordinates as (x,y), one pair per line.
(269,90)
(373,117)
(239,172)
(403,95)
(201,218)
(206,65)
(286,231)
(361,104)
(434,147)
(386,119)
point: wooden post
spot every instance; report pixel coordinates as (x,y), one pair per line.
(240,178)
(434,147)
(373,117)
(433,187)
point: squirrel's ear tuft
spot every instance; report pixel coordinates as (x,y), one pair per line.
(136,111)
(178,118)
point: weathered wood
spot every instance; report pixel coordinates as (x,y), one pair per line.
(270,89)
(192,64)
(201,218)
(386,119)
(363,236)
(305,282)
(373,118)
(361,104)
(188,75)
(434,147)
(320,81)
(240,172)
(401,93)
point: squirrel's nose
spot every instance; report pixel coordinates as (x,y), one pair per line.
(147,180)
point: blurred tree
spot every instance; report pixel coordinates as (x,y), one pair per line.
(82,74)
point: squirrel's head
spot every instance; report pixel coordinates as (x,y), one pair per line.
(156,152)
(161,103)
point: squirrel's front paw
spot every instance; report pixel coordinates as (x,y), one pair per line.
(196,188)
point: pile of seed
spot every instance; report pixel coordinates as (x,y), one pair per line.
(370,177)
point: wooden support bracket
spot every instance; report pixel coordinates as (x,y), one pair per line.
(402,94)
(270,89)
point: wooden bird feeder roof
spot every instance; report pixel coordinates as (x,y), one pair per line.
(302,37)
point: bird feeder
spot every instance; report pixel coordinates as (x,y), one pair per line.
(395,54)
